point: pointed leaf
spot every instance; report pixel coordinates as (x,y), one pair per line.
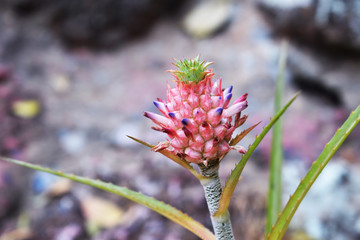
(162,208)
(240,136)
(236,172)
(275,169)
(173,157)
(331,147)
(141,141)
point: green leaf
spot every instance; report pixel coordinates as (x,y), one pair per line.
(275,174)
(331,147)
(236,172)
(160,207)
(173,157)
(241,135)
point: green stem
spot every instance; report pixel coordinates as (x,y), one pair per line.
(213,189)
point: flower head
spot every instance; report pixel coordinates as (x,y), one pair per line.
(197,116)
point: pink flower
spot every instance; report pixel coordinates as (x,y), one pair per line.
(197,116)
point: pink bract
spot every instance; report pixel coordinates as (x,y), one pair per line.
(198,119)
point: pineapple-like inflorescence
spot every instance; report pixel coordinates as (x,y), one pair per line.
(197,115)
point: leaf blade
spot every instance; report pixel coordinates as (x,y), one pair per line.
(275,173)
(236,172)
(241,135)
(319,164)
(160,207)
(173,157)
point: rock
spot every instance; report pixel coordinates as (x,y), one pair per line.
(61,219)
(333,81)
(69,232)
(60,83)
(18,234)
(207,18)
(5,73)
(330,209)
(72,142)
(26,108)
(42,181)
(99,24)
(328,25)
(9,191)
(60,187)
(50,184)
(101,213)
(19,112)
(7,82)
(119,134)
(133,220)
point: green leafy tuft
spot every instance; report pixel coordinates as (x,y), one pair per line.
(191,70)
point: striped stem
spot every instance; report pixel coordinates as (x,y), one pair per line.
(213,189)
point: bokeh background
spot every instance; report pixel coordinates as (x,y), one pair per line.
(76,76)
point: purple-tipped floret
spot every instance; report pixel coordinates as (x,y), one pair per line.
(161,106)
(219,111)
(156,104)
(227,100)
(228,97)
(156,118)
(235,108)
(228,90)
(185,121)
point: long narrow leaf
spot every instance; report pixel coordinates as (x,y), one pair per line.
(173,157)
(331,147)
(236,172)
(166,210)
(241,135)
(275,180)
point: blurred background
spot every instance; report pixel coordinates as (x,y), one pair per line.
(76,76)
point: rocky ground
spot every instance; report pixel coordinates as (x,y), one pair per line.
(71,89)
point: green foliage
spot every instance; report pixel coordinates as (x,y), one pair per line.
(192,70)
(275,174)
(233,179)
(160,207)
(240,136)
(331,147)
